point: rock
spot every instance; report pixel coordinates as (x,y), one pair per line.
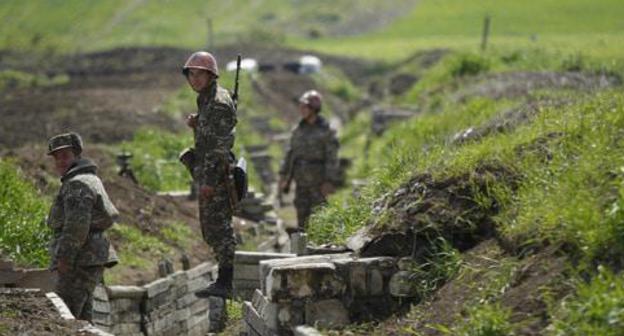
(326,314)
(125,292)
(402,285)
(299,281)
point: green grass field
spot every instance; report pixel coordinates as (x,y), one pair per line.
(590,27)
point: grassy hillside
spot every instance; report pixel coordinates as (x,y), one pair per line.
(67,26)
(589,27)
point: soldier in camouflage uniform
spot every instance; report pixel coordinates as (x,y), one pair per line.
(209,164)
(311,159)
(80,214)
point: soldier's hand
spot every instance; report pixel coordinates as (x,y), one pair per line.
(62,266)
(191,120)
(327,189)
(206,192)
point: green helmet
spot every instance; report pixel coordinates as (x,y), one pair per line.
(65,140)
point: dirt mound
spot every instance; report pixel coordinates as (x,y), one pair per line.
(521,84)
(31,313)
(524,285)
(408,221)
(109,95)
(508,120)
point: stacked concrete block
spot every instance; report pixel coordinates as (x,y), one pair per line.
(328,291)
(101,309)
(125,309)
(247,271)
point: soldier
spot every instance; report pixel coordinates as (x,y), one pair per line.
(80,214)
(311,159)
(209,163)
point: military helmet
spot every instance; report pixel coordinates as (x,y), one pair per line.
(201,60)
(65,140)
(313,99)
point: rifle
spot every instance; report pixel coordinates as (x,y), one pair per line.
(289,178)
(235,94)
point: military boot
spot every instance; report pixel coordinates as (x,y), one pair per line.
(222,287)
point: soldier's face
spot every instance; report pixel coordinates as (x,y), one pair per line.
(305,111)
(199,79)
(63,158)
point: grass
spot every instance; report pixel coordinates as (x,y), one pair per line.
(74,25)
(24,235)
(597,308)
(138,250)
(554,25)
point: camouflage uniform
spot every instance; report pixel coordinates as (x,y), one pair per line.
(214,138)
(79,216)
(312,159)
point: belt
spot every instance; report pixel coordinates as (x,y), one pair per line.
(311,162)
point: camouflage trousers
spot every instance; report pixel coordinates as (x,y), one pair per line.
(215,217)
(76,289)
(306,199)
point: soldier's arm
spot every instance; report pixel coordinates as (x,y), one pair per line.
(78,205)
(222,140)
(332,164)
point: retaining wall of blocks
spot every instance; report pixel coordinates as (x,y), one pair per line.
(167,306)
(328,291)
(247,271)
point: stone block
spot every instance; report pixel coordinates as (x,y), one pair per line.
(60,306)
(254,322)
(375,283)
(201,270)
(298,243)
(299,281)
(125,292)
(100,293)
(326,314)
(157,287)
(198,283)
(199,306)
(101,306)
(124,305)
(304,330)
(402,285)
(267,265)
(289,316)
(246,272)
(254,258)
(126,328)
(158,301)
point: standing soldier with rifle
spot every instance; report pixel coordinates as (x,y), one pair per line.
(311,159)
(210,163)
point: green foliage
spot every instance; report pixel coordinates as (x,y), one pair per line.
(138,249)
(597,308)
(24,236)
(155,160)
(485,320)
(469,65)
(20,79)
(178,233)
(444,262)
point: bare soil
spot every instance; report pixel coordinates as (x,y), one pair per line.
(31,313)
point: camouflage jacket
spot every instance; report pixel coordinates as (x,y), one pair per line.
(312,156)
(80,214)
(214,136)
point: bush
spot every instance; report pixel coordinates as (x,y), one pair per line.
(23,233)
(469,65)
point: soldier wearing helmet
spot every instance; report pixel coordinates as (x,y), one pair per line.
(311,159)
(81,212)
(213,128)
